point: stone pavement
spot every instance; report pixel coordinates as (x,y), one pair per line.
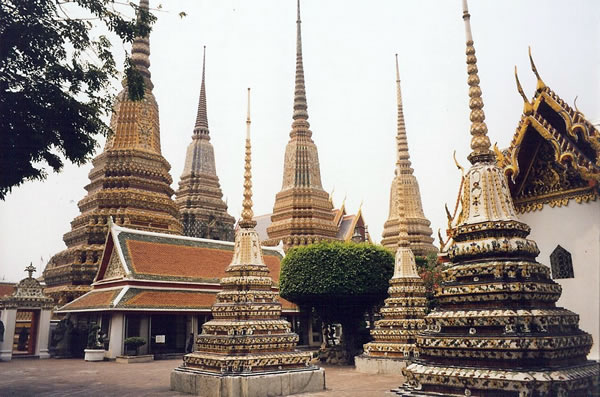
(75,377)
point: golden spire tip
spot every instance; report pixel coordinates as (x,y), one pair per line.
(527,108)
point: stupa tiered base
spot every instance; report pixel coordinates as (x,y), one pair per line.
(248,384)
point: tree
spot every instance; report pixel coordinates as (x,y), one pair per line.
(55,82)
(341,281)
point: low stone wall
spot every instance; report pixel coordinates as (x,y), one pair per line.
(251,385)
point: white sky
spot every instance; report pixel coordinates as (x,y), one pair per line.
(349,49)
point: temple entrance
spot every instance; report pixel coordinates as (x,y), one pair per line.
(26,330)
(167,333)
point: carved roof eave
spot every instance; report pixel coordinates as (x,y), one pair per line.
(563,149)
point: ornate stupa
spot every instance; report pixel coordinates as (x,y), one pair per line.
(302,213)
(247,335)
(419,232)
(199,197)
(497,330)
(402,315)
(130,182)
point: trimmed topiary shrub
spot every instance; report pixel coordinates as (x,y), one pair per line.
(341,281)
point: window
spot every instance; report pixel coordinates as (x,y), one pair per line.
(561,263)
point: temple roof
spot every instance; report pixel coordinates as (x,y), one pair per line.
(554,155)
(164,257)
(155,271)
(129,298)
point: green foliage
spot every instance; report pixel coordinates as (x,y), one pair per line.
(431,273)
(336,274)
(55,82)
(134,343)
(341,281)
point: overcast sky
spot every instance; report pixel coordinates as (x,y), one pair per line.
(349,49)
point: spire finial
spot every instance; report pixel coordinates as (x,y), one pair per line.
(527,108)
(480,143)
(403,165)
(247,214)
(540,83)
(300,116)
(201,126)
(30,269)
(140,49)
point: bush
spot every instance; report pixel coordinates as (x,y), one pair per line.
(341,281)
(134,342)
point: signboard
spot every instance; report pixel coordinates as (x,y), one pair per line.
(160,338)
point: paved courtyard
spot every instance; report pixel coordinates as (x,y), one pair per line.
(75,377)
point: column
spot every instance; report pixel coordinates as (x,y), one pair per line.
(145,333)
(117,330)
(41,348)
(9,318)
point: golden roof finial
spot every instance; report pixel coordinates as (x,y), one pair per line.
(527,107)
(480,143)
(331,195)
(247,214)
(540,84)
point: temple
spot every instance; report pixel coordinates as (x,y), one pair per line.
(159,287)
(129,181)
(247,348)
(302,213)
(419,232)
(553,165)
(349,227)
(199,197)
(394,336)
(497,330)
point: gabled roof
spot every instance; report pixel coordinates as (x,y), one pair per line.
(148,271)
(164,257)
(554,155)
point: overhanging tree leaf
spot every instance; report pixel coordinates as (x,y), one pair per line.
(55,83)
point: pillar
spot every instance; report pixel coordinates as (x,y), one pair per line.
(117,330)
(9,318)
(41,348)
(145,333)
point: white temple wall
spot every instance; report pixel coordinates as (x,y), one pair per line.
(9,318)
(576,228)
(117,330)
(41,348)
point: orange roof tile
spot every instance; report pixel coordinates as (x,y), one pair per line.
(170,299)
(6,289)
(92,299)
(171,260)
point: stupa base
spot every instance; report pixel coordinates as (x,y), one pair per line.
(265,384)
(380,365)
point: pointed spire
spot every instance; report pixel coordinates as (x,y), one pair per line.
(480,143)
(405,265)
(140,50)
(402,156)
(300,116)
(201,126)
(247,214)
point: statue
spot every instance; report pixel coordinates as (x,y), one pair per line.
(61,338)
(95,338)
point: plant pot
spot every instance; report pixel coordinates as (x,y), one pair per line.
(94,354)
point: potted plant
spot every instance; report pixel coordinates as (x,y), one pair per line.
(95,345)
(133,343)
